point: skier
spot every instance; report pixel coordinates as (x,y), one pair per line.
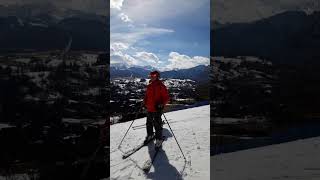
(156,97)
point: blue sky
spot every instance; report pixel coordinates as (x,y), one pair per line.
(165,34)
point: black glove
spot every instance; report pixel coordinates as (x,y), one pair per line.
(159,107)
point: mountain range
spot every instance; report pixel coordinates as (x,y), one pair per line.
(289,37)
(46,27)
(235,11)
(199,73)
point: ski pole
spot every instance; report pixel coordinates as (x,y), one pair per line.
(174,137)
(129,127)
(125,134)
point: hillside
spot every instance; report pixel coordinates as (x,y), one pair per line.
(191,127)
(293,160)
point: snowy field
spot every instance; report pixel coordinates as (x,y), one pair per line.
(297,160)
(192,129)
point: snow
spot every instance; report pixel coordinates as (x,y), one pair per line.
(72,101)
(19,177)
(192,129)
(71,136)
(186,99)
(38,78)
(219,120)
(293,160)
(135,100)
(4,126)
(246,119)
(237,61)
(38,24)
(54,62)
(77,121)
(28,97)
(114,119)
(233,61)
(89,58)
(253,59)
(91,91)
(23,60)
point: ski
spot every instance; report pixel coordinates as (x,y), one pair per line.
(137,148)
(148,164)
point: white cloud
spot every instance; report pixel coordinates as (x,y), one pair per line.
(118,46)
(149,58)
(126,33)
(141,58)
(157,10)
(181,61)
(119,58)
(130,43)
(116,4)
(136,34)
(124,18)
(175,61)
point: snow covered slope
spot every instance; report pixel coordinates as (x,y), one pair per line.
(293,160)
(192,129)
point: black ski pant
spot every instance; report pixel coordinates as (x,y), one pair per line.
(154,120)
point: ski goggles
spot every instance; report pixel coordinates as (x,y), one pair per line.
(153,75)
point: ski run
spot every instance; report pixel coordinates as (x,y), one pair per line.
(192,130)
(298,160)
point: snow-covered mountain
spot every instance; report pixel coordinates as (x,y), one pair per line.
(192,129)
(234,11)
(199,73)
(124,71)
(45,26)
(288,37)
(90,6)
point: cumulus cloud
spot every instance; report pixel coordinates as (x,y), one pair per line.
(119,58)
(135,23)
(118,46)
(147,57)
(181,61)
(124,18)
(116,4)
(138,59)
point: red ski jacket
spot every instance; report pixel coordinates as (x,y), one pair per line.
(156,94)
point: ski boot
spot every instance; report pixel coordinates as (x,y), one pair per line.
(148,139)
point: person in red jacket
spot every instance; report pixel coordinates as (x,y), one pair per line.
(155,99)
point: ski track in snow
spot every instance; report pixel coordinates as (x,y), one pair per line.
(192,129)
(297,160)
